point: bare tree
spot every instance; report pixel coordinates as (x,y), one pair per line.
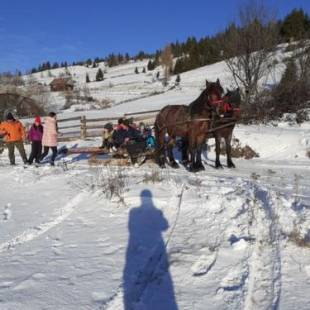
(249,46)
(38,92)
(303,60)
(166,61)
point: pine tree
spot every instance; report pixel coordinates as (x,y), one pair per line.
(143,71)
(178,79)
(179,66)
(136,70)
(99,75)
(150,65)
(286,93)
(87,78)
(127,57)
(295,25)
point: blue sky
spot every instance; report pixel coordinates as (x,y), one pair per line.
(34,31)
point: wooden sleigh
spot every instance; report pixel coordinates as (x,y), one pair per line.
(123,156)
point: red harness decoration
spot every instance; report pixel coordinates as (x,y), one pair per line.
(226,106)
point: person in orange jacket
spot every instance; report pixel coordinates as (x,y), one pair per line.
(14,135)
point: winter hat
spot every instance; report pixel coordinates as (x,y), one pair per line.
(108,126)
(10,117)
(37,119)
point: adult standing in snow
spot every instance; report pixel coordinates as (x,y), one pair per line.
(49,139)
(14,135)
(35,135)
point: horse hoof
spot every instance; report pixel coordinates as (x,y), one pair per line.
(185,162)
(191,169)
(231,165)
(200,168)
(174,165)
(218,166)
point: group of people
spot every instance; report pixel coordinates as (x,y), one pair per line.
(126,132)
(44,137)
(40,136)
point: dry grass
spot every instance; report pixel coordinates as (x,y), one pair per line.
(300,240)
(154,177)
(239,151)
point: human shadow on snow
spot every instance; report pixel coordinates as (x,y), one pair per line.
(147,283)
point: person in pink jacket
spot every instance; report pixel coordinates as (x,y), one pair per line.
(49,139)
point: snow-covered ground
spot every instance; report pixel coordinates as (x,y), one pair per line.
(168,239)
(82,237)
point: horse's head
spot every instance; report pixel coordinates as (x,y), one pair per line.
(214,90)
(202,105)
(233,97)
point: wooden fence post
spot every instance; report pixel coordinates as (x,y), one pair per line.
(83,127)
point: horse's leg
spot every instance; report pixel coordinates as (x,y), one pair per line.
(160,146)
(185,158)
(198,164)
(191,151)
(230,163)
(192,163)
(217,151)
(198,161)
(170,146)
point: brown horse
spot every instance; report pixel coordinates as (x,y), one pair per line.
(188,122)
(222,126)
(225,121)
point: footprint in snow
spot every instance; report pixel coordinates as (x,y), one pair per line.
(234,280)
(204,263)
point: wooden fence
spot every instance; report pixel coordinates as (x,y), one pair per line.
(83,127)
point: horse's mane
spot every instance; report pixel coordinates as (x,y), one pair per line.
(197,105)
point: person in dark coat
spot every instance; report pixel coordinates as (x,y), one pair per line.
(120,135)
(35,135)
(133,132)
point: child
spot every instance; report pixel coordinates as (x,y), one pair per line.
(14,133)
(35,137)
(49,139)
(149,139)
(107,141)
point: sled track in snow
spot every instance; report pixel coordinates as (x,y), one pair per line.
(264,280)
(35,232)
(145,275)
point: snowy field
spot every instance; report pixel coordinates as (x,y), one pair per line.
(76,236)
(167,239)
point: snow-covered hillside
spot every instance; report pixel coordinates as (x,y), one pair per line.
(122,84)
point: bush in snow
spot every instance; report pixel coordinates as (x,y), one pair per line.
(239,151)
(154,177)
(112,184)
(99,75)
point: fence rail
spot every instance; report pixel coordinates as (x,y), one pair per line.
(92,127)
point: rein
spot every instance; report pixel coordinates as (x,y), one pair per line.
(188,121)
